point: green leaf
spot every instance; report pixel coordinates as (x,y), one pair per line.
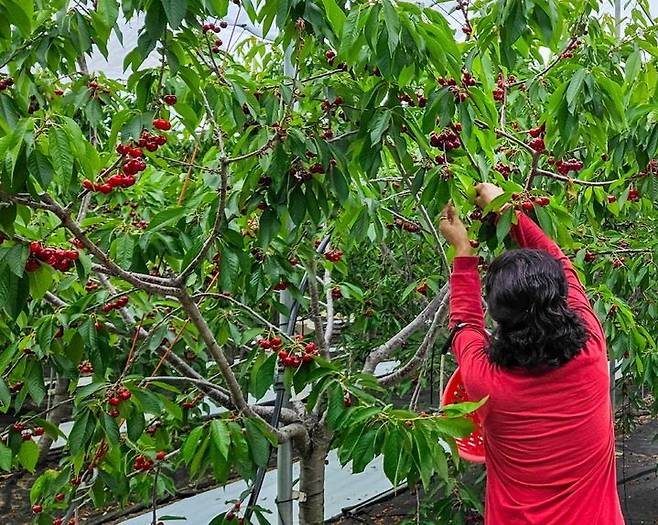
(79,432)
(122,249)
(16,257)
(40,281)
(378,125)
(335,15)
(504,224)
(220,437)
(111,429)
(175,11)
(191,443)
(394,456)
(5,457)
(259,446)
(136,424)
(60,151)
(575,87)
(40,168)
(392,25)
(28,455)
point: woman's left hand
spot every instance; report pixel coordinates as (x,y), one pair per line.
(454,231)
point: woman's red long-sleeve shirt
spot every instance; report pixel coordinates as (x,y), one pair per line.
(549,438)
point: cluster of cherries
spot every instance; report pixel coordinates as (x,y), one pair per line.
(504,170)
(281,285)
(327,106)
(152,142)
(142,463)
(333,255)
(336,293)
(407,99)
(232,514)
(499,92)
(96,87)
(569,51)
(208,27)
(299,355)
(26,433)
(115,398)
(6,83)
(529,203)
(58,258)
(460,92)
(401,224)
(563,167)
(114,305)
(86,367)
(447,140)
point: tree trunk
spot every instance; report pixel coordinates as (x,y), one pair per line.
(55,416)
(311,482)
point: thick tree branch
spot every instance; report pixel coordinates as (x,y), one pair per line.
(237,397)
(428,341)
(315,308)
(384,351)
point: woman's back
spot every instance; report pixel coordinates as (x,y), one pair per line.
(549,434)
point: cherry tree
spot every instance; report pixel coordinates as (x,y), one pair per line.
(153,229)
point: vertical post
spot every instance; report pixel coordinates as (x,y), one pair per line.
(284,450)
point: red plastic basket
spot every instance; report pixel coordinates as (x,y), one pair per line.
(470,448)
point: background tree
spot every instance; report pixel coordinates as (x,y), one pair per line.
(148,225)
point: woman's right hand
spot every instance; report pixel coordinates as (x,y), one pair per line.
(486,192)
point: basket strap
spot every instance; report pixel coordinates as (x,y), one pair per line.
(444,350)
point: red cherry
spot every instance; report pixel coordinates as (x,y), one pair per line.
(18,427)
(310,347)
(265,344)
(104,188)
(161,456)
(527,205)
(72,254)
(474,243)
(283,355)
(537,145)
(347,401)
(122,149)
(113,412)
(37,508)
(59,496)
(276,342)
(162,124)
(125,394)
(59,92)
(114,401)
(230,516)
(26,435)
(39,431)
(223,24)
(330,54)
(611,199)
(170,100)
(633,194)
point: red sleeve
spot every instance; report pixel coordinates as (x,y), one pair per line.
(528,235)
(470,342)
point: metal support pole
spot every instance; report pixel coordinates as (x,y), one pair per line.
(284,450)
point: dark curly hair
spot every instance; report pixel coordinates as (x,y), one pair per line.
(526,294)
